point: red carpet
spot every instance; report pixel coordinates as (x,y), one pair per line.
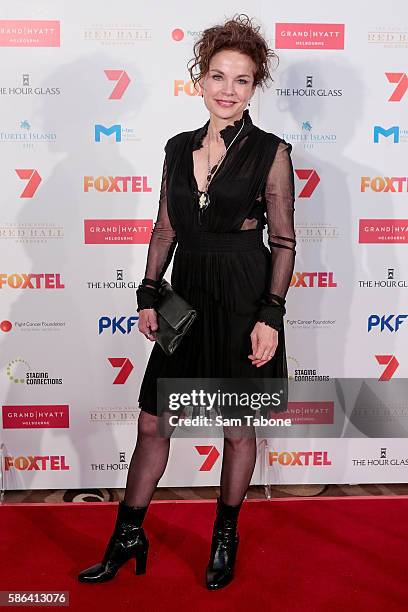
(323,554)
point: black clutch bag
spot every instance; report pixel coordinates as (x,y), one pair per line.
(174,318)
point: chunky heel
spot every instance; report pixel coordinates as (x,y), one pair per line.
(127,541)
(141,560)
(224,546)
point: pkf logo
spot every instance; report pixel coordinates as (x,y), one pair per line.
(401,79)
(116,325)
(391,363)
(122,84)
(33,178)
(212,455)
(391,322)
(125,366)
(312,180)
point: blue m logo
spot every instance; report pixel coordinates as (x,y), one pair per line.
(392,131)
(114,129)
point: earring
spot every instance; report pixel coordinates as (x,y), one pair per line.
(249,102)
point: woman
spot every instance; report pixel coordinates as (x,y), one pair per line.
(221,184)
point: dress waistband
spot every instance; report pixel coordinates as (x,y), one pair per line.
(242,240)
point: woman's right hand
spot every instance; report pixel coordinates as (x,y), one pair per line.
(148,323)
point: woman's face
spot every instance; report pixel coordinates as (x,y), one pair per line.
(229,84)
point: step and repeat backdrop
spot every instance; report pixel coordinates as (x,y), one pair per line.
(89,96)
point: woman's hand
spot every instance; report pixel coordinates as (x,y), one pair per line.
(264,341)
(148,323)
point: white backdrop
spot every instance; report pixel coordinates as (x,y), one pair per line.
(90,93)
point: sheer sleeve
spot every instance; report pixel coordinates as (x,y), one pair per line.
(161,247)
(280,198)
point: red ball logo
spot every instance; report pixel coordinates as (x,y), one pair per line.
(177,34)
(5,326)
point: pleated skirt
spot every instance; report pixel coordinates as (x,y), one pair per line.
(223,276)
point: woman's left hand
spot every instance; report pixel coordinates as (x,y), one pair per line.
(264,341)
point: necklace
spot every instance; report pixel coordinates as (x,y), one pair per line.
(203,196)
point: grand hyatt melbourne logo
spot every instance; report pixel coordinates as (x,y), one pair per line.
(383,231)
(36,416)
(29,33)
(309,36)
(118,231)
(309,91)
(119,283)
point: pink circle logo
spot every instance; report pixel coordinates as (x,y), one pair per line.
(5,326)
(177,34)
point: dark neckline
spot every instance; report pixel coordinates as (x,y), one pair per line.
(227,133)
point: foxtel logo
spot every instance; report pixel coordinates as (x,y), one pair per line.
(118,184)
(125,366)
(33,178)
(122,84)
(31,281)
(211,453)
(390,362)
(185,87)
(401,79)
(312,180)
(393,184)
(313,279)
(35,462)
(301,458)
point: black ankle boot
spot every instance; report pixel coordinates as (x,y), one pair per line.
(127,541)
(224,546)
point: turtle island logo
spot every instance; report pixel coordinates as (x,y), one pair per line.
(26,136)
(309,137)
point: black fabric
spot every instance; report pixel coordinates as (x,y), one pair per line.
(221,268)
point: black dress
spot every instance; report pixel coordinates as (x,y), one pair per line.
(221,265)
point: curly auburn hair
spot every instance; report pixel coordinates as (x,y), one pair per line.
(240,35)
